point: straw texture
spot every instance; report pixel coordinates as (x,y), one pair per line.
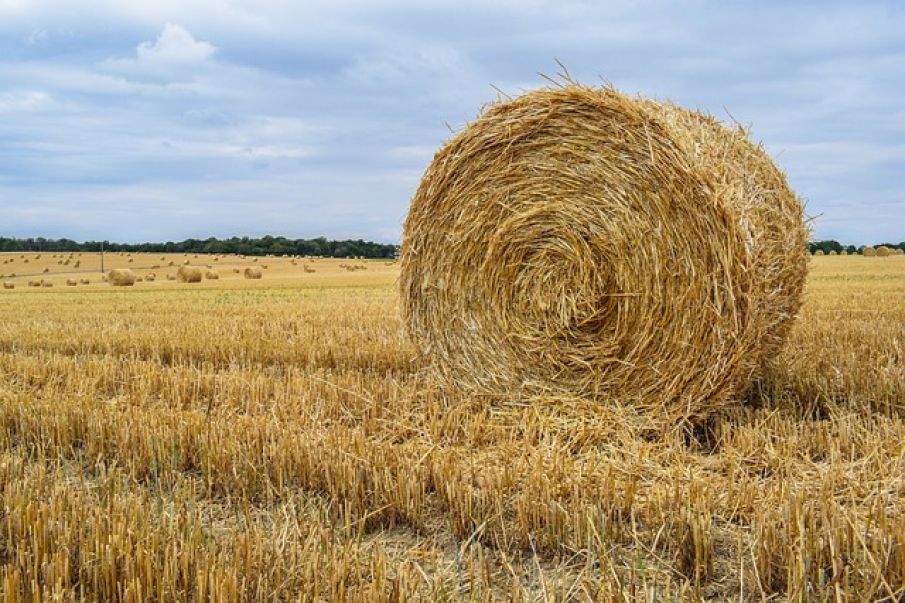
(577,242)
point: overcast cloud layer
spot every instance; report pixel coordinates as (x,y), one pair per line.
(191,118)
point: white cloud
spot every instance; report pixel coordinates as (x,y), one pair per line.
(175,44)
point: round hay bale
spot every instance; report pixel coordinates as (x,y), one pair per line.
(899,251)
(9,285)
(236,271)
(882,251)
(85,281)
(575,241)
(189,274)
(34,283)
(150,277)
(46,284)
(71,282)
(170,277)
(869,252)
(818,252)
(843,252)
(832,252)
(253,273)
(121,277)
(212,275)
(46,270)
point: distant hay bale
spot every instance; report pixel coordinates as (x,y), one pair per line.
(130,260)
(171,263)
(170,277)
(78,264)
(253,273)
(898,251)
(150,277)
(85,281)
(34,283)
(578,242)
(832,252)
(236,270)
(308,269)
(185,263)
(189,274)
(121,277)
(46,270)
(264,266)
(818,252)
(139,279)
(9,285)
(843,252)
(46,284)
(882,251)
(869,251)
(211,275)
(71,282)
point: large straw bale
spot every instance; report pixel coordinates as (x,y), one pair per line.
(869,251)
(882,251)
(254,273)
(121,277)
(189,274)
(574,241)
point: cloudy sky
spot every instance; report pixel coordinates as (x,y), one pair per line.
(163,120)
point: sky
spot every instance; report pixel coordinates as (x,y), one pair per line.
(153,121)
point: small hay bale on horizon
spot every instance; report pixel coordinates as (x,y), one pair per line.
(211,275)
(121,277)
(71,282)
(9,285)
(189,274)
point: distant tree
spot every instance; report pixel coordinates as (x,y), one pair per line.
(212,245)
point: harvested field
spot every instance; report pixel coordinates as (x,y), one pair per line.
(276,439)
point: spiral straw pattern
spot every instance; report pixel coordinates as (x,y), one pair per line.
(575,241)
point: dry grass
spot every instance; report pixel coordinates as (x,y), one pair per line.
(577,242)
(276,440)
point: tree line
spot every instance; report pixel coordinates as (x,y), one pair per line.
(238,245)
(831,245)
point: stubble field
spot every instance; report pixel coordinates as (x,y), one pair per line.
(238,440)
